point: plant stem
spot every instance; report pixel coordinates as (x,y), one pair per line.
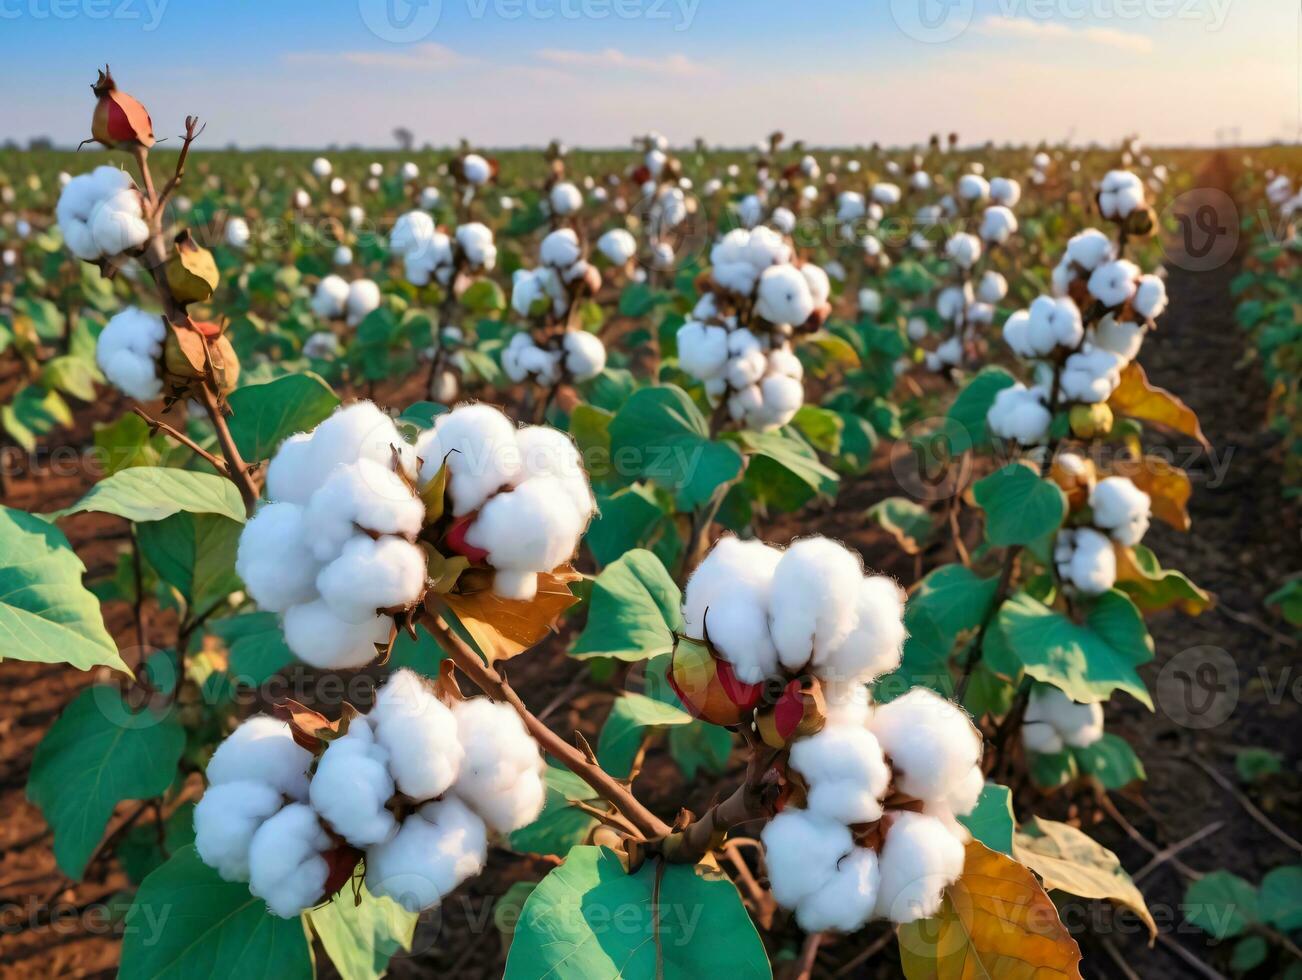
(235,466)
(158,425)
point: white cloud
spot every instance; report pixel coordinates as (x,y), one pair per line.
(1043,30)
(419,57)
(613,58)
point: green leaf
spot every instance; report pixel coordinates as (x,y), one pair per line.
(46,614)
(187,922)
(125,443)
(634,611)
(484,296)
(360,938)
(560,826)
(992,821)
(72,375)
(140,851)
(783,471)
(1020,506)
(821,426)
(1221,904)
(264,415)
(700,746)
(1249,953)
(972,406)
(625,521)
(909,523)
(1280,898)
(636,300)
(622,733)
(1051,770)
(98,753)
(1087,661)
(151,493)
(255,644)
(195,554)
(955,598)
(33,413)
(422,654)
(660,435)
(590,919)
(1256,763)
(1111,761)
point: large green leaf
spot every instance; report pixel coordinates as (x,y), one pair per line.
(195,554)
(992,821)
(561,825)
(1089,660)
(625,726)
(263,415)
(971,407)
(1111,761)
(1020,506)
(1280,898)
(1221,904)
(785,472)
(590,919)
(187,922)
(46,614)
(98,753)
(660,435)
(954,597)
(361,937)
(634,612)
(255,644)
(151,493)
(34,412)
(626,520)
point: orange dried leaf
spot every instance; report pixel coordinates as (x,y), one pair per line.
(1137,398)
(503,628)
(1167,485)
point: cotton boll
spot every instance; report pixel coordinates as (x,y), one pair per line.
(237,233)
(920,180)
(820,288)
(1114,282)
(1005,191)
(802,851)
(847,900)
(949,353)
(918,861)
(1052,717)
(560,249)
(750,209)
(225,820)
(262,750)
(931,743)
(289,476)
(783,220)
(783,362)
(287,868)
(275,560)
(479,446)
(870,301)
(702,350)
(618,245)
(1039,736)
(952,301)
(545,451)
(351,786)
(117,223)
(886,195)
(814,591)
(875,644)
(354,432)
(1121,509)
(992,288)
(585,355)
(363,299)
(565,198)
(476,243)
(476,169)
(1053,323)
(733,584)
(1120,194)
(1150,297)
(850,206)
(746,369)
(322,168)
(437,848)
(973,187)
(501,775)
(128,352)
(370,575)
(782,397)
(1091,376)
(331,298)
(845,772)
(533,528)
(1120,337)
(1085,559)
(1020,414)
(746,404)
(998,224)
(784,296)
(367,495)
(420,734)
(1089,249)
(765,247)
(318,636)
(963,249)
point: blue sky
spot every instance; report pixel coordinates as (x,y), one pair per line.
(505,72)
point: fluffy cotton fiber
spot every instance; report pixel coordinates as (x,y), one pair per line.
(501,774)
(1053,720)
(128,352)
(351,786)
(286,864)
(101,214)
(436,848)
(420,734)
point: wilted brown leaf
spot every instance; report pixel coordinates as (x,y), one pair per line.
(504,627)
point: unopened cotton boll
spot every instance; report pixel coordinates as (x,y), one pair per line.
(733,584)
(478,444)
(992,288)
(802,851)
(585,355)
(702,349)
(275,559)
(565,198)
(1120,194)
(262,750)
(998,224)
(784,296)
(351,786)
(1053,720)
(1091,376)
(501,775)
(931,742)
(617,245)
(560,249)
(420,734)
(320,637)
(918,861)
(1020,413)
(1005,191)
(476,169)
(287,867)
(364,494)
(1150,297)
(1121,509)
(435,849)
(848,898)
(128,352)
(534,528)
(225,820)
(844,771)
(963,249)
(331,298)
(372,574)
(1085,559)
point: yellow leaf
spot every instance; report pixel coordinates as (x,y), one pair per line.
(1068,860)
(995,921)
(1138,399)
(501,628)
(1167,485)
(1154,588)
(434,494)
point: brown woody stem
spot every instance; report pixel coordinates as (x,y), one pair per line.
(158,425)
(235,466)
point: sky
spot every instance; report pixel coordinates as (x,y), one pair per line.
(309,73)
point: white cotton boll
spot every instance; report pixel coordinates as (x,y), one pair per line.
(290,475)
(781,397)
(322,168)
(1085,559)
(920,180)
(262,750)
(321,345)
(765,247)
(1020,414)
(952,301)
(671,206)
(330,298)
(820,288)
(565,198)
(429,198)
(351,786)
(785,363)
(702,350)
(534,528)
(286,866)
(750,209)
(476,242)
(1061,278)
(501,775)
(338,186)
(998,224)
(1053,718)
(1114,282)
(746,369)
(850,206)
(1120,194)
(529,297)
(317,635)
(409,172)
(545,451)
(225,820)
(662,256)
(1121,509)
(917,329)
(275,559)
(128,352)
(733,583)
(802,851)
(1091,376)
(370,575)
(992,287)
(870,302)
(814,591)
(363,299)
(476,169)
(848,898)
(367,495)
(1089,249)
(479,445)
(1041,161)
(353,432)
(343,256)
(237,233)
(931,743)
(1120,337)
(585,355)
(1039,736)
(845,772)
(963,249)
(420,733)
(301,200)
(886,195)
(783,220)
(784,296)
(875,644)
(918,861)
(560,249)
(1150,297)
(79,201)
(963,795)
(655,160)
(872,247)
(618,245)
(437,848)
(1053,323)
(746,404)
(117,223)
(1005,191)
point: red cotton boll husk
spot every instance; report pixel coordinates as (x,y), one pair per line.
(119,120)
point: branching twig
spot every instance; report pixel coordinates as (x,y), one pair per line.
(1247,804)
(158,425)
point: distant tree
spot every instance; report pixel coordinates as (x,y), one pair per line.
(405,137)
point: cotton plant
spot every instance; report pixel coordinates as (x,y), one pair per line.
(337,299)
(410,793)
